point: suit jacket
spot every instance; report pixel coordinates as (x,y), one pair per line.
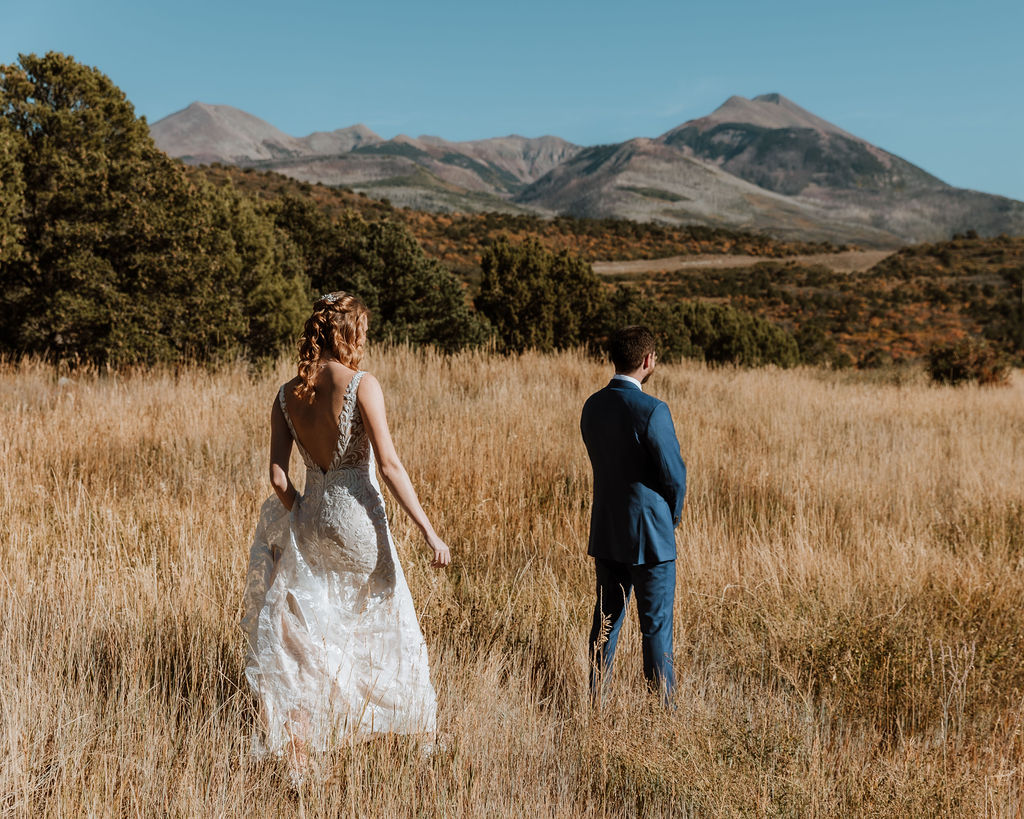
(639,475)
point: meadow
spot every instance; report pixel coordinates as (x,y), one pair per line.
(848,611)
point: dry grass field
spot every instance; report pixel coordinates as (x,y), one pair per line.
(849,606)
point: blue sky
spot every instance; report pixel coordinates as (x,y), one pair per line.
(938,83)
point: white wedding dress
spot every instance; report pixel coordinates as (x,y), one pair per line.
(335,650)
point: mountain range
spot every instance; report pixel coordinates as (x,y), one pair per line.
(762,164)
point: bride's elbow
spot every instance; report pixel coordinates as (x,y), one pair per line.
(390,468)
(278,478)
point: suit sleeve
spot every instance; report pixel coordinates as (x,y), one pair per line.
(663,445)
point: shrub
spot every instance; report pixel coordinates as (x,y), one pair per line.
(970,359)
(875,359)
(715,333)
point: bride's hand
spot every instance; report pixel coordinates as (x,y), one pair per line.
(442,555)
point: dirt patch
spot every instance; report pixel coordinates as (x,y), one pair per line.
(849,261)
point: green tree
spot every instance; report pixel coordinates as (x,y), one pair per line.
(126,258)
(579,299)
(267,272)
(11,195)
(413,297)
(515,295)
(536,299)
(318,241)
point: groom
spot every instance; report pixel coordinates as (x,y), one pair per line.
(639,485)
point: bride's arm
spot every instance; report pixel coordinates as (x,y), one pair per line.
(371,406)
(280,454)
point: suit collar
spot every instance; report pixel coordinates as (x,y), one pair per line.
(625,382)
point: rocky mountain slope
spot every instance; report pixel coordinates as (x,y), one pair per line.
(775,144)
(425,172)
(759,164)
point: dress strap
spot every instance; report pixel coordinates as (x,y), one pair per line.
(287,417)
(348,408)
(353,384)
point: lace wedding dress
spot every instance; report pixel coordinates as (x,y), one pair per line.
(335,649)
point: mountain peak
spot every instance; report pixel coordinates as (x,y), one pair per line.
(774,97)
(340,140)
(221,133)
(771,111)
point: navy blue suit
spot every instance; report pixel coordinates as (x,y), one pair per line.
(639,487)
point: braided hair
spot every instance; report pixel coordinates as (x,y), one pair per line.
(337,329)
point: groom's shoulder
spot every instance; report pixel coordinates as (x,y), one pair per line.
(647,403)
(615,395)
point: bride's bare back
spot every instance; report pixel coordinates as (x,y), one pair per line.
(316,424)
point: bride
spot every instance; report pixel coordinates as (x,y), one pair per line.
(334,648)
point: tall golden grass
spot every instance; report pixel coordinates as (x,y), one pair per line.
(849,612)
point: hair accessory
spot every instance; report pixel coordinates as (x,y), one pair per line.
(330,298)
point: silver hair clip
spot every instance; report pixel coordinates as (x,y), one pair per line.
(330,298)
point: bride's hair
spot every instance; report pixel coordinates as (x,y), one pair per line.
(337,328)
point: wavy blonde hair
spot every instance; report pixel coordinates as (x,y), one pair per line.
(337,329)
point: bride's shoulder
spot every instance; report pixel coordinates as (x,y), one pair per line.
(368,387)
(288,388)
(336,376)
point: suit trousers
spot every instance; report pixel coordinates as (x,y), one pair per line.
(655,585)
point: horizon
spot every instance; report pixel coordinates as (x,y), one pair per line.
(920,81)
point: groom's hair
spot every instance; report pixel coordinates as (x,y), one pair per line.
(628,346)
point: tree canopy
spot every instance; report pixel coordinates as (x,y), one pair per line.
(537,299)
(125,258)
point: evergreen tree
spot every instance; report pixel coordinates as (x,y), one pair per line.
(539,300)
(126,258)
(318,241)
(579,300)
(267,272)
(11,195)
(413,297)
(515,295)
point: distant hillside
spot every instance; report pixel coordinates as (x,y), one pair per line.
(914,298)
(459,240)
(763,164)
